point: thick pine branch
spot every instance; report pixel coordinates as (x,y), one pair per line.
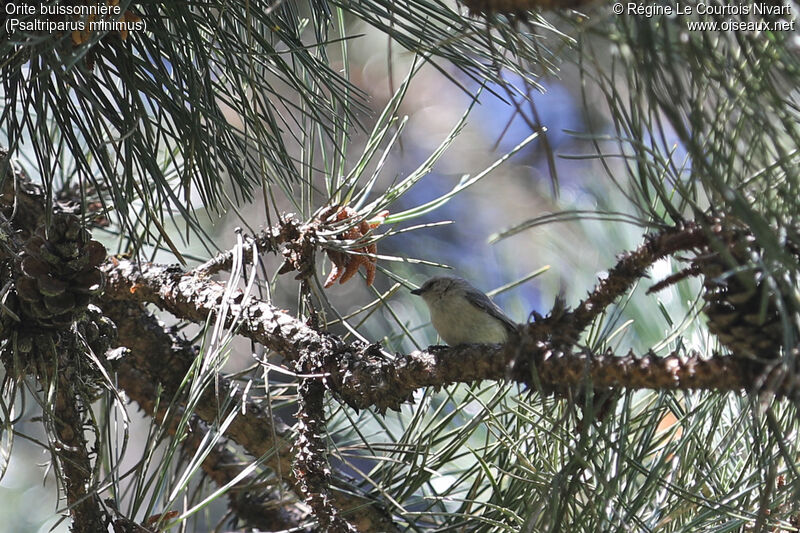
(311,466)
(197,298)
(158,356)
(72,450)
(263,509)
(165,358)
(362,377)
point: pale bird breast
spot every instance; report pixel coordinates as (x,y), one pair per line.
(461,322)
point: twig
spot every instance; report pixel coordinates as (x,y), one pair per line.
(197,298)
(72,453)
(311,464)
(631,267)
(266,241)
(689,272)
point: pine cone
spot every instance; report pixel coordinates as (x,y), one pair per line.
(58,273)
(99,331)
(739,305)
(99,334)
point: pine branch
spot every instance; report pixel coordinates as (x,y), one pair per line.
(192,296)
(363,378)
(165,358)
(266,241)
(631,267)
(196,298)
(158,356)
(388,384)
(311,466)
(71,448)
(256,508)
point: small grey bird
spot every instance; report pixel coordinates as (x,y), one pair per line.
(461,313)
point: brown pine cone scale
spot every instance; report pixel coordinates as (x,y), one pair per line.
(58,273)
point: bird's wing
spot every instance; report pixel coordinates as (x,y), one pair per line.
(490,307)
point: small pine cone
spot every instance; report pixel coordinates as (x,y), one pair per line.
(58,273)
(99,333)
(740,310)
(98,330)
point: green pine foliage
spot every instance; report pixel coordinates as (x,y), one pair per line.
(218,106)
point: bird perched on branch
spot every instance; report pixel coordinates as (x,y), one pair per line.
(463,314)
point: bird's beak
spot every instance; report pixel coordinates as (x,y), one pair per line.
(417,291)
